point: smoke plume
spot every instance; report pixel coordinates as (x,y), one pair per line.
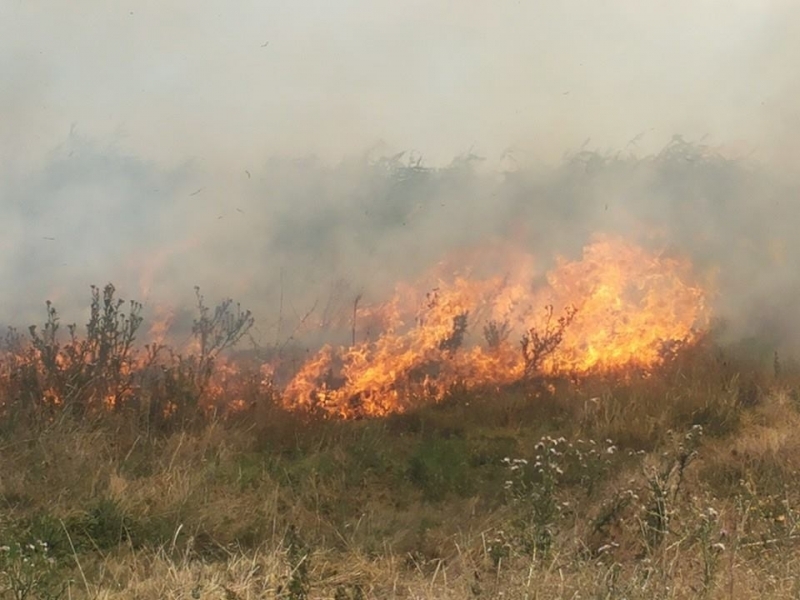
(297,156)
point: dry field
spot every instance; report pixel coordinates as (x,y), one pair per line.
(132,471)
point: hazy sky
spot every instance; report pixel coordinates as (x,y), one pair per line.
(171,80)
(142,142)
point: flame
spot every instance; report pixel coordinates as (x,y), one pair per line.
(482,317)
(622,307)
(630,305)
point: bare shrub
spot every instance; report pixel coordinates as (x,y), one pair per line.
(104,371)
(538,344)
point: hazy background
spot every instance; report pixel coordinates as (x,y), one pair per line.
(247,147)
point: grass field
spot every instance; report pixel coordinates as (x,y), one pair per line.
(680,482)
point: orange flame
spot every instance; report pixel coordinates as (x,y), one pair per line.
(630,306)
(461,324)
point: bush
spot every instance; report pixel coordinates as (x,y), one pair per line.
(45,378)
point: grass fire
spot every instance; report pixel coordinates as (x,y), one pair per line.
(616,307)
(399,301)
(574,406)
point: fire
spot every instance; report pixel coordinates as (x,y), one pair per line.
(616,307)
(630,305)
(486,317)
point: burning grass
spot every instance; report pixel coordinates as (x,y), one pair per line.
(668,485)
(604,447)
(617,307)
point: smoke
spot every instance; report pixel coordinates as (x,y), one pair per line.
(295,157)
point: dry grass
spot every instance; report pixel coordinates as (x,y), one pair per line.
(679,484)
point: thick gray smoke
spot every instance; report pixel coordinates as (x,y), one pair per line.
(257,152)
